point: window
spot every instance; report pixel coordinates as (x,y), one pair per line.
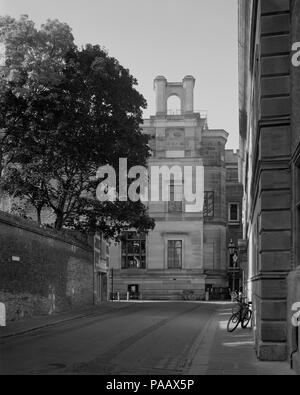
(134,250)
(175,204)
(233,212)
(174,254)
(208,209)
(174,105)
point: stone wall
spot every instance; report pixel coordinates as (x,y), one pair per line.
(267,178)
(294,330)
(158,285)
(271,177)
(42,271)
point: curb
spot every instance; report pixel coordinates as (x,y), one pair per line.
(34,328)
(54,323)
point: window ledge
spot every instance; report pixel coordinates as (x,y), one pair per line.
(235,223)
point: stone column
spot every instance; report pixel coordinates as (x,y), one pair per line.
(273,184)
(188,86)
(160,85)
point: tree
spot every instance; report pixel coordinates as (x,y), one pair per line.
(25,185)
(66,111)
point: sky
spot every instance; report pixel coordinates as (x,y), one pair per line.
(173,38)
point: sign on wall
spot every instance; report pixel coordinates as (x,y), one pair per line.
(2,314)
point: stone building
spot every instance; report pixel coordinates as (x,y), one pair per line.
(269,163)
(187,252)
(234,201)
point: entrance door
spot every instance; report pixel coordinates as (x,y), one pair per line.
(133,290)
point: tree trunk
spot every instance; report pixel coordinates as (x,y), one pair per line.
(59,221)
(38,214)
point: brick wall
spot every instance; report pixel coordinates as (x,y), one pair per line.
(41,270)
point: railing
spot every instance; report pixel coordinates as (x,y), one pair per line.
(118,296)
(203,113)
(175,112)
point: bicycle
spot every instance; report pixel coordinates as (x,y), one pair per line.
(243,316)
(188,295)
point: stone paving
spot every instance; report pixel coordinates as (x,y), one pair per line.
(216,352)
(223,353)
(29,325)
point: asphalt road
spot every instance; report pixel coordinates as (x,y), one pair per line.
(143,338)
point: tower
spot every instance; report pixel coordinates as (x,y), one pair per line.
(183,90)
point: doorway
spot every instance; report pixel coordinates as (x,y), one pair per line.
(101,287)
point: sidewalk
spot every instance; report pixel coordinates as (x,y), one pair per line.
(44,321)
(221,353)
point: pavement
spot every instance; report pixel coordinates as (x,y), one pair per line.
(221,353)
(214,351)
(21,327)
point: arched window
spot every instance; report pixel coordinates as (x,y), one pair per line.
(174,105)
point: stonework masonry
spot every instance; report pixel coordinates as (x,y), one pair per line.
(42,271)
(183,138)
(269,148)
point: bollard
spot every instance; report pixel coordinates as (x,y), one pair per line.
(118,296)
(127,296)
(2,314)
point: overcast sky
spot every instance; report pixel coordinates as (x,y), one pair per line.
(173,38)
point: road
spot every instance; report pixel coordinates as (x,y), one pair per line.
(143,338)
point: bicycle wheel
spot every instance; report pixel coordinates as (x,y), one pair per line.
(233,322)
(246,318)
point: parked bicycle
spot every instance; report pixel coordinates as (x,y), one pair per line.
(188,295)
(240,315)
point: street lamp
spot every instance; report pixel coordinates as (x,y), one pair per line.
(233,254)
(231,247)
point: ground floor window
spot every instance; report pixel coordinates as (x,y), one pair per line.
(133,290)
(209,203)
(174,254)
(133,250)
(233,212)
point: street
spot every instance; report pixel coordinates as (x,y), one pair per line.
(167,338)
(146,338)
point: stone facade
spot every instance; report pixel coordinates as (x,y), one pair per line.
(269,161)
(234,202)
(293,332)
(182,138)
(42,271)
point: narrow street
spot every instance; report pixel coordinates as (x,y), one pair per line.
(138,339)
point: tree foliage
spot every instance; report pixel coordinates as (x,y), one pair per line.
(64,112)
